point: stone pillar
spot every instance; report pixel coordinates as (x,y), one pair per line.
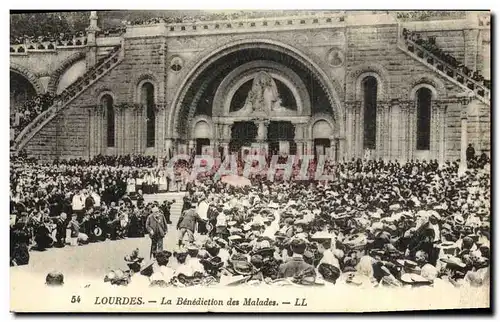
(262,134)
(404,139)
(484,52)
(383,144)
(140,126)
(341,155)
(299,137)
(442,132)
(191,146)
(411,129)
(100,115)
(169,152)
(159,130)
(331,156)
(358,130)
(434,135)
(349,133)
(354,130)
(92,131)
(393,130)
(92,29)
(225,130)
(463,139)
(379,134)
(309,147)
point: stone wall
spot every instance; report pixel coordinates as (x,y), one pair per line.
(368,49)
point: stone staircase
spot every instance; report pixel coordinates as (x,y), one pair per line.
(74,90)
(481,92)
(175,209)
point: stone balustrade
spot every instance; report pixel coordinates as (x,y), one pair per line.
(423,55)
(42,46)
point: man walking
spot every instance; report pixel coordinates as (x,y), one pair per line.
(156,226)
(187,224)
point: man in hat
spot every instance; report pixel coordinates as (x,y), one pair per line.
(156,226)
(296,264)
(324,244)
(61,224)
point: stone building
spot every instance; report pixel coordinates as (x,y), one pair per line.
(344,84)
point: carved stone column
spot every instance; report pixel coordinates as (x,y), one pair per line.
(383,130)
(411,129)
(139,123)
(120,130)
(393,130)
(464,140)
(299,138)
(226,137)
(160,129)
(442,106)
(358,130)
(404,137)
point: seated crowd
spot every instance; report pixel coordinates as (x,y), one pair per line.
(375,224)
(29,110)
(430,45)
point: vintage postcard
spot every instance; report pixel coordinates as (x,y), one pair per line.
(249,161)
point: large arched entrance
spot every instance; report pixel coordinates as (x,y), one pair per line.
(223,89)
(21,90)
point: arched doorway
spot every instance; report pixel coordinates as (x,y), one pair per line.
(196,94)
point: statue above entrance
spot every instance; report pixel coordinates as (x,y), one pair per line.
(263,98)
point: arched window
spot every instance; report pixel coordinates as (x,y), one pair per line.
(148,100)
(424,99)
(370,112)
(107,104)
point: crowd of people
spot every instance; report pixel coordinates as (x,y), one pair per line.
(69,38)
(29,110)
(375,224)
(429,44)
(222,16)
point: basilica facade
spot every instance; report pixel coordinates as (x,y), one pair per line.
(348,85)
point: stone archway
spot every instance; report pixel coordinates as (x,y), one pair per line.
(56,75)
(180,111)
(29,76)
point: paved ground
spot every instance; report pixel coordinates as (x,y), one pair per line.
(95,260)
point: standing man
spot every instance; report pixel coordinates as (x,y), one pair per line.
(187,224)
(470,152)
(156,226)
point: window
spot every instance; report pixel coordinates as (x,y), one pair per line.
(370,112)
(148,100)
(424,99)
(107,104)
